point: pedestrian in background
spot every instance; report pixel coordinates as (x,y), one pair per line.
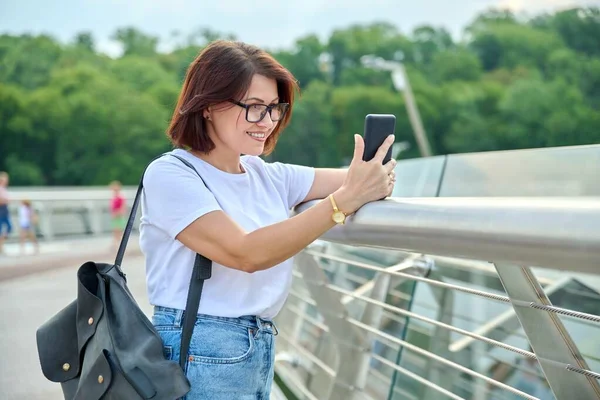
(27,224)
(5,225)
(117,213)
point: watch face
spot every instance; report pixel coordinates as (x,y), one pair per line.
(338,217)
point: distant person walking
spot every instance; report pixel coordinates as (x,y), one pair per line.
(5,225)
(117,212)
(27,223)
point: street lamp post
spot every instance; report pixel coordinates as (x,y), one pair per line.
(401,84)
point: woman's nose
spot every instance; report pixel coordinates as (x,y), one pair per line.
(266,122)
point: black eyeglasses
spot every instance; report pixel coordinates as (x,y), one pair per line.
(256,112)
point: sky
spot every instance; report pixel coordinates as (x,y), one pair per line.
(268,23)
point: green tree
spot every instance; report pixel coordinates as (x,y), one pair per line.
(578,27)
(311,131)
(135,42)
(27,61)
(85,40)
(347,46)
(304,60)
(428,41)
(455,64)
(509,45)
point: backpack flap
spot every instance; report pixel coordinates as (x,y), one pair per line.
(97,381)
(57,345)
(61,340)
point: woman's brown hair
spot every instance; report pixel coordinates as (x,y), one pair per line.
(223,71)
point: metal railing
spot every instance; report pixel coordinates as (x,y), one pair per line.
(395,305)
(430,298)
(67,211)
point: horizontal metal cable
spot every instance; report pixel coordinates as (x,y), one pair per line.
(296,382)
(433,322)
(558,310)
(504,299)
(314,359)
(388,381)
(305,299)
(308,318)
(383,377)
(467,333)
(582,371)
(416,377)
(389,314)
(476,292)
(442,360)
(325,328)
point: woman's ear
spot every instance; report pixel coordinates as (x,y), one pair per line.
(206,113)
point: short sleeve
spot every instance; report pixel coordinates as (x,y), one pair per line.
(175,196)
(295,179)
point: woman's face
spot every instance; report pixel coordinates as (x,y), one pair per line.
(229,123)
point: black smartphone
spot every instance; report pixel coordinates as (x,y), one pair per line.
(377,128)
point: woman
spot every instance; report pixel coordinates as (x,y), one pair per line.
(236,100)
(4,212)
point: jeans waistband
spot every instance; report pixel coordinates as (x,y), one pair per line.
(250,321)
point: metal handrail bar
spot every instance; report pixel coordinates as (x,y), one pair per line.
(549,232)
(492,296)
(442,360)
(416,377)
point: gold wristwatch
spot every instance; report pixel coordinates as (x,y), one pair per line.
(338,216)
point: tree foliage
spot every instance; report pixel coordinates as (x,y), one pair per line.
(70,115)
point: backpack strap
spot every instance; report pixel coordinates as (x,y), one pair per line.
(202,270)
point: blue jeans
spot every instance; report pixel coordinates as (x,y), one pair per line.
(5,222)
(229,358)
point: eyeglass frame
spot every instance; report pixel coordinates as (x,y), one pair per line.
(268,109)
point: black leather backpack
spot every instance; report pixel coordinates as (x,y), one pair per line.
(103,346)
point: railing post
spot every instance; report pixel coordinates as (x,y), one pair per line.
(94,213)
(436,372)
(547,335)
(45,220)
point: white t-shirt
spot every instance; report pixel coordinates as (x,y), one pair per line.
(174,197)
(24,216)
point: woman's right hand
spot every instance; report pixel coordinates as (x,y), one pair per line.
(366,180)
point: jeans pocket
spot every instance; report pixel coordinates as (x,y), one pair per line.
(216,342)
(164,321)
